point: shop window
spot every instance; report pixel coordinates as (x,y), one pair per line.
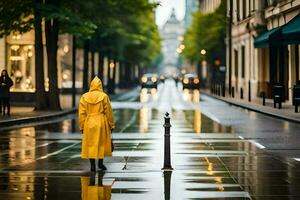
(20,66)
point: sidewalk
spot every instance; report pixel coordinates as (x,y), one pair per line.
(22,115)
(286,112)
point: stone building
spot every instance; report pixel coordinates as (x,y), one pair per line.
(262,53)
(171,33)
(208,6)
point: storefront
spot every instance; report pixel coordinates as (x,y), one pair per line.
(20,61)
(282,44)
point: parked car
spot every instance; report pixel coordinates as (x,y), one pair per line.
(149,81)
(190,81)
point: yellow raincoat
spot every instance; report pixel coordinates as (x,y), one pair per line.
(95,118)
(94,192)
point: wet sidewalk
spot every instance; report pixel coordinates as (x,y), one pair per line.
(286,112)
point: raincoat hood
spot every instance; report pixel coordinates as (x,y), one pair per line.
(95,94)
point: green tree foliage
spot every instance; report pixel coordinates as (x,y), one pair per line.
(123,30)
(208,32)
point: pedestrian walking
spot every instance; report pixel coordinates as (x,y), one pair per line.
(5,85)
(96,121)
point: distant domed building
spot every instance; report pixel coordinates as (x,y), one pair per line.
(171,33)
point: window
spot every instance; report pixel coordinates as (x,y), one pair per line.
(243,61)
(236,63)
(244,7)
(238,10)
(20,67)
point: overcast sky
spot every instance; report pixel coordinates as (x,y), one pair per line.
(164,10)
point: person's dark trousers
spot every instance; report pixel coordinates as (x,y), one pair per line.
(93,165)
(6,105)
(101,165)
(1,105)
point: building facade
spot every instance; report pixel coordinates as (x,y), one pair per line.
(260,57)
(172,34)
(208,6)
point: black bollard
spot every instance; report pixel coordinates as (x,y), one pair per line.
(167,148)
(242,93)
(249,91)
(232,92)
(167,184)
(263,94)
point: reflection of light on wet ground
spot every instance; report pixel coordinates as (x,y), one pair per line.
(145,116)
(22,149)
(191,95)
(197,121)
(148,94)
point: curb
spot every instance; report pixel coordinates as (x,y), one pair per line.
(252,108)
(24,120)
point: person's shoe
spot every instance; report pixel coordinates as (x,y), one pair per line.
(101,165)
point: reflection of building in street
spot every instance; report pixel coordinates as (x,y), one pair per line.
(265,48)
(171,34)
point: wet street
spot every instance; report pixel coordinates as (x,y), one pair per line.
(218,152)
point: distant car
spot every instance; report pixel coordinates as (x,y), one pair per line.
(149,81)
(190,81)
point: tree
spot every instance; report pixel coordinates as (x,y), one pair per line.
(207,31)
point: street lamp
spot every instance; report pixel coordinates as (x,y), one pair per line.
(203,52)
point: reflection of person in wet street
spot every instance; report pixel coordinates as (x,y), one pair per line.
(96,122)
(5,85)
(90,190)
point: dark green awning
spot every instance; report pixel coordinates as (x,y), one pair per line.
(291,31)
(264,39)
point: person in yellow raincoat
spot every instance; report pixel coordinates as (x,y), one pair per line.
(96,121)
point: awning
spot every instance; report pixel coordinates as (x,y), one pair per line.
(291,31)
(266,38)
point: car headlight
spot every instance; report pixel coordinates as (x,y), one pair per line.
(196,81)
(144,79)
(153,79)
(185,81)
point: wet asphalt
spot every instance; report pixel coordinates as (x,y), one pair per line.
(217,152)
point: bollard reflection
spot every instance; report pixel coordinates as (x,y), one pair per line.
(167,184)
(90,189)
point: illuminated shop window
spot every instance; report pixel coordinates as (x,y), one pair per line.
(20,66)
